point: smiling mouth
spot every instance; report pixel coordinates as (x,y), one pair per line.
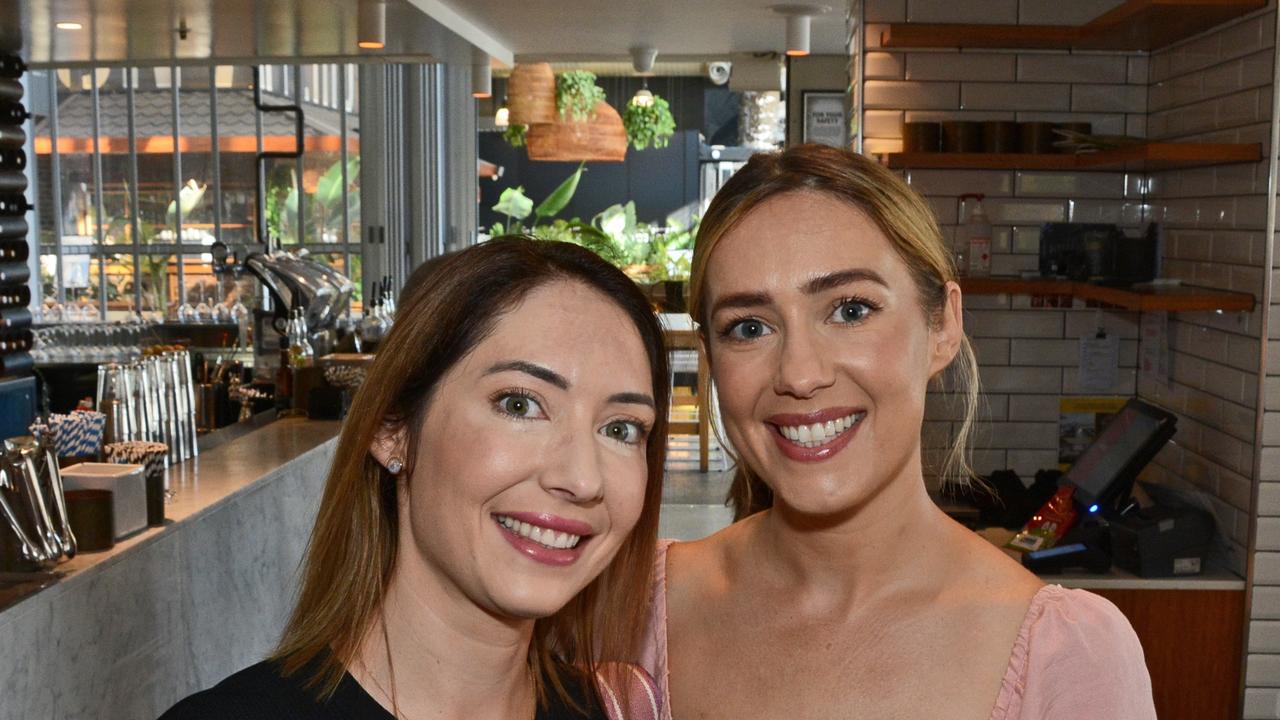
(546,537)
(818,434)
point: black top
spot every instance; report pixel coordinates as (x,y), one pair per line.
(260,693)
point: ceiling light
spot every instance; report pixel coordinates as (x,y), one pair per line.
(481,76)
(643,97)
(502,117)
(69,26)
(798,21)
(642,59)
(371,25)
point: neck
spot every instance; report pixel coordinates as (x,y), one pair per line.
(849,560)
(447,657)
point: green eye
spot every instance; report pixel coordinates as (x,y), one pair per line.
(520,406)
(624,431)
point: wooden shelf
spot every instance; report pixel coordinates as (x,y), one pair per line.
(1135,25)
(1146,157)
(1181,298)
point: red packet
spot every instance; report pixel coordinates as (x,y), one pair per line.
(1048,525)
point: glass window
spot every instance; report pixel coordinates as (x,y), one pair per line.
(131,206)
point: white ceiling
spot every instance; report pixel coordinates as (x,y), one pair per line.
(144,31)
(565,29)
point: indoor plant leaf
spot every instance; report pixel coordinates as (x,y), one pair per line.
(514,203)
(560,197)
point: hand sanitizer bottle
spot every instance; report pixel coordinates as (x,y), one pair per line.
(978,232)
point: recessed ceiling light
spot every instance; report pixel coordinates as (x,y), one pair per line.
(69,26)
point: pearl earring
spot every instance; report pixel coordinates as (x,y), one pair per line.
(395,465)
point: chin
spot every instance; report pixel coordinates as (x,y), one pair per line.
(532,600)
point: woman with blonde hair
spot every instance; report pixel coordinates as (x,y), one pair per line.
(827,303)
(484,541)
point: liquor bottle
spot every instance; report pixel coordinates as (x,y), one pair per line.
(14,250)
(12,66)
(16,296)
(14,204)
(12,113)
(15,318)
(12,159)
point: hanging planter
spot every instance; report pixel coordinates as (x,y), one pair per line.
(531,94)
(648,123)
(601,138)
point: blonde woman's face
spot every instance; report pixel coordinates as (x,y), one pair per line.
(820,351)
(531,466)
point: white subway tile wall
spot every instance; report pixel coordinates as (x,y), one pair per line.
(1211,88)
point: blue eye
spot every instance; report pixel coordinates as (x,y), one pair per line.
(624,431)
(521,406)
(851,311)
(748,329)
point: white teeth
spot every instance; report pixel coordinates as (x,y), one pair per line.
(817,434)
(543,536)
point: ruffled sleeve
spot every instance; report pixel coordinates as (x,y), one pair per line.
(653,651)
(1076,656)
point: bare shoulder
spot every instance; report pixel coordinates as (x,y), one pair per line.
(696,571)
(987,574)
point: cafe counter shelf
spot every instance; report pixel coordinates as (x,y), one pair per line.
(127,632)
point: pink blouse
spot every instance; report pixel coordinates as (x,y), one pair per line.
(1076,656)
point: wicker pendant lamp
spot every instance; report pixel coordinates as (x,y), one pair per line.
(602,138)
(531,94)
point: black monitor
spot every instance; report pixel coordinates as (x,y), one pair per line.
(1104,473)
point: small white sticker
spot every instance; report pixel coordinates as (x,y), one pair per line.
(1186,566)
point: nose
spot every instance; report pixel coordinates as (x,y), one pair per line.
(803,368)
(574,471)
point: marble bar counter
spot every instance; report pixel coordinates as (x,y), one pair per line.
(127,632)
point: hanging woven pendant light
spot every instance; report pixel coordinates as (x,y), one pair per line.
(531,94)
(602,138)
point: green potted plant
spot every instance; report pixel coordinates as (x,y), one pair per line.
(648,123)
(577,94)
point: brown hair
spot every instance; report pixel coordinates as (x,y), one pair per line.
(897,210)
(446,312)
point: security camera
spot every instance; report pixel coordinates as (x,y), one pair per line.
(718,72)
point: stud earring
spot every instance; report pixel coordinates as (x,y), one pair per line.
(395,465)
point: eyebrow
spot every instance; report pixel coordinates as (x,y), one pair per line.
(546,375)
(822,283)
(632,398)
(554,378)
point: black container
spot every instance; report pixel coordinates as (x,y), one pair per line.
(14,273)
(15,296)
(13,204)
(1036,138)
(15,318)
(92,520)
(16,364)
(12,159)
(961,136)
(13,113)
(15,342)
(11,66)
(921,137)
(155,494)
(10,90)
(12,181)
(14,250)
(1000,136)
(12,136)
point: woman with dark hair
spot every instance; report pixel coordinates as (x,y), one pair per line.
(827,303)
(484,542)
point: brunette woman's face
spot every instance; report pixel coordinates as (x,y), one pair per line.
(531,467)
(820,351)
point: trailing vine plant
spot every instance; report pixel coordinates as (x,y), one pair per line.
(577,94)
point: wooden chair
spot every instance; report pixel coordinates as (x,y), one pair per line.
(688,340)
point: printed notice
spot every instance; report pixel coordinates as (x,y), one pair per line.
(1099,362)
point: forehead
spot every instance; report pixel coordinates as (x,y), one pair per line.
(794,237)
(574,330)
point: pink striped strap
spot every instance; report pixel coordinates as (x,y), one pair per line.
(627,691)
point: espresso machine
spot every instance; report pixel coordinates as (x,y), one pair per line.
(294,281)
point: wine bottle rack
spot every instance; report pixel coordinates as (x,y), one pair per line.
(16,338)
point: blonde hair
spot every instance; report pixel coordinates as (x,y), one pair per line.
(450,309)
(905,219)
